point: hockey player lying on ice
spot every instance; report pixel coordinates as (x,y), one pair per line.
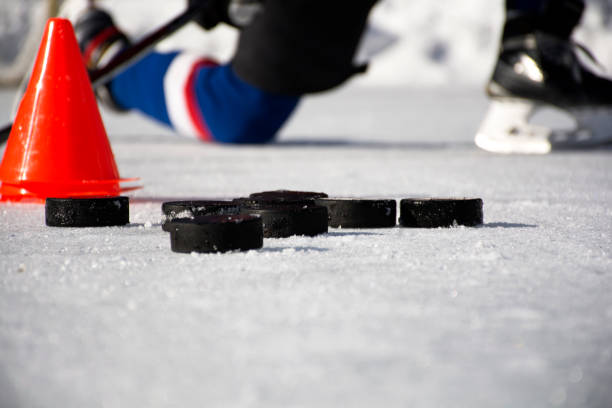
(280,58)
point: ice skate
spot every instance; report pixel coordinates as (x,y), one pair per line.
(540,70)
(543,71)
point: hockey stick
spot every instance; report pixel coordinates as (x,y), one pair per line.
(130,55)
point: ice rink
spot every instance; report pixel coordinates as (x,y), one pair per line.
(516,313)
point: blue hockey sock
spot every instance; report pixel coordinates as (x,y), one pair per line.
(201,99)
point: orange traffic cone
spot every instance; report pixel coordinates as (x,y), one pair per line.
(58,146)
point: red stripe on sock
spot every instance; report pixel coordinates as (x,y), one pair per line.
(99,39)
(192,102)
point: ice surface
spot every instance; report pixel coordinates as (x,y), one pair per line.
(517,313)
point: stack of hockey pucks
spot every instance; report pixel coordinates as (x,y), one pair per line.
(220,226)
(285,213)
(196,208)
(213,226)
(210,226)
(87,211)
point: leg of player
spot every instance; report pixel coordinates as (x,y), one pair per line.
(192,94)
(539,66)
(279,59)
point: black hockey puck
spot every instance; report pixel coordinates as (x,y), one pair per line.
(87,212)
(196,208)
(440,212)
(281,221)
(215,233)
(360,213)
(264,203)
(280,197)
(286,196)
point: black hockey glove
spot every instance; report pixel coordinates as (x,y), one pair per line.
(237,13)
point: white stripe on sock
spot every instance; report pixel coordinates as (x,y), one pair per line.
(175,81)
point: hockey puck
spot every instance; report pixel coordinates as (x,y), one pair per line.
(281,221)
(215,233)
(286,196)
(440,212)
(196,208)
(87,212)
(265,203)
(360,213)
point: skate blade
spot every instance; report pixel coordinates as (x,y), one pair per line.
(508,128)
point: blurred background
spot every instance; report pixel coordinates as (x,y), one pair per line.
(442,42)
